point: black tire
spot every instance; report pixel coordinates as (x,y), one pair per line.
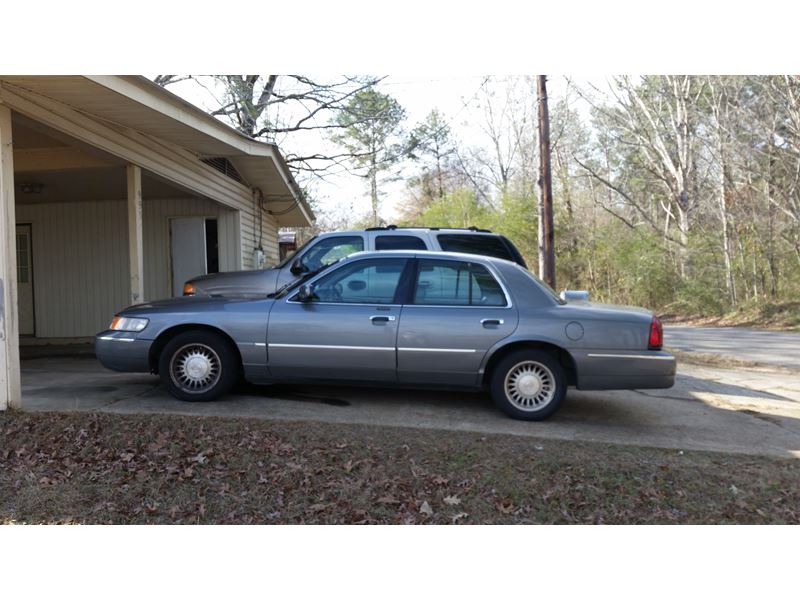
(187,380)
(542,372)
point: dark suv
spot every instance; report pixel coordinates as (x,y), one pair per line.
(327,248)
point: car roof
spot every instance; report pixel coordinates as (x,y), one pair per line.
(428,254)
(402,230)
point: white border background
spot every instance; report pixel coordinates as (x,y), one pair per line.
(409,39)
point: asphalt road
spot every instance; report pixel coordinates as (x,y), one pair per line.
(739,411)
(753,345)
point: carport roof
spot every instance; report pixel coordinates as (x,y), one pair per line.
(137,103)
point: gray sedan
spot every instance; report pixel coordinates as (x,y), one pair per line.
(417,319)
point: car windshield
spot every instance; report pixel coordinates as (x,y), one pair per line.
(289,258)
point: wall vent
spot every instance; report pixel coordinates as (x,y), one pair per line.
(224,166)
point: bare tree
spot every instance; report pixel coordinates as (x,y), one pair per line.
(508,126)
(275,107)
(720,110)
(655,118)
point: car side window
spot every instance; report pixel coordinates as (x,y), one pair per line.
(484,245)
(399,242)
(372,281)
(328,250)
(456,283)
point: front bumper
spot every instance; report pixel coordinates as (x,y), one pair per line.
(123,351)
(624,370)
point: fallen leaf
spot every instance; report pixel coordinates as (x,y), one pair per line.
(505,506)
(200,459)
(457,516)
(452,500)
(426,508)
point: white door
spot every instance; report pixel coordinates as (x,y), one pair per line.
(187,250)
(24,280)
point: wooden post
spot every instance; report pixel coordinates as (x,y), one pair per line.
(547,259)
(135,243)
(10,387)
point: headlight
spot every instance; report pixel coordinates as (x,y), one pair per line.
(188,289)
(128,323)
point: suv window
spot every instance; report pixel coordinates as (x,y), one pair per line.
(328,250)
(485,245)
(362,282)
(399,242)
(456,283)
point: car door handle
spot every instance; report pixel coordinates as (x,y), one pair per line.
(381,318)
(488,322)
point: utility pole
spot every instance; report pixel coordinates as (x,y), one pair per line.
(547,258)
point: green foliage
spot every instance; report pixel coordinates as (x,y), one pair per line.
(629,269)
(369,123)
(459,209)
(514,216)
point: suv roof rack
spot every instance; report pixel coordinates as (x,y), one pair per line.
(393,227)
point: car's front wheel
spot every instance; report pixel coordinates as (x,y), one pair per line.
(198,366)
(528,384)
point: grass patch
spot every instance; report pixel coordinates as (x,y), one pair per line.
(101,468)
(724,362)
(783,316)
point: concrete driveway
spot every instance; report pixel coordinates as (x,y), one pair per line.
(753,345)
(740,411)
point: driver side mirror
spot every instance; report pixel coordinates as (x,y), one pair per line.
(297,268)
(305,293)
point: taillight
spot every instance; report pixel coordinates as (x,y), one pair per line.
(656,335)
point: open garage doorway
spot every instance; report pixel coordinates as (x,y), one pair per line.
(194,249)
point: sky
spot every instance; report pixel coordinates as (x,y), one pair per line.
(344,195)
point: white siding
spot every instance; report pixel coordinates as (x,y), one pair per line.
(80,265)
(80,257)
(269,238)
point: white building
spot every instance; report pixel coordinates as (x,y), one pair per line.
(114,191)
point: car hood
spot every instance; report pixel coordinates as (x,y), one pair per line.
(188,304)
(231,283)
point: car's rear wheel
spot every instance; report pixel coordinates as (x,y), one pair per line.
(198,366)
(528,384)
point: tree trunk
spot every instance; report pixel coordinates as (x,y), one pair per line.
(770,245)
(684,262)
(730,282)
(547,263)
(373,190)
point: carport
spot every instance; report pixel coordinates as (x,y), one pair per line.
(114,191)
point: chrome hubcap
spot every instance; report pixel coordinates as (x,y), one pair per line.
(530,386)
(195,368)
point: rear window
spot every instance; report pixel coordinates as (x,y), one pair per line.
(456,283)
(399,242)
(485,245)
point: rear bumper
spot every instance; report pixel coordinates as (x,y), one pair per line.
(623,370)
(122,351)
